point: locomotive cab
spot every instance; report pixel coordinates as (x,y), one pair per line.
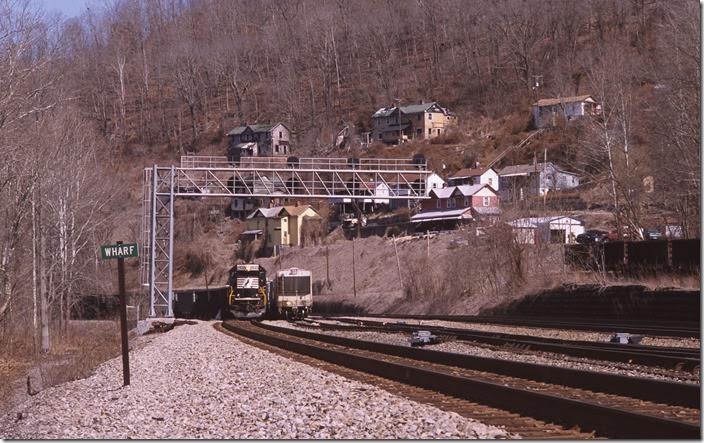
(247,296)
(293,291)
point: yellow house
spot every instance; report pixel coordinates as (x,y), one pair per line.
(280,225)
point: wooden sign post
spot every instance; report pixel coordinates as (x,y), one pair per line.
(120,251)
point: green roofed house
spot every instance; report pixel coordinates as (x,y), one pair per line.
(421,121)
(259,141)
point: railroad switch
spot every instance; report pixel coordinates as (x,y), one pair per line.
(422,338)
(626,338)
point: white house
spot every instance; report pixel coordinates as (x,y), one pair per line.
(433,181)
(518,182)
(551,229)
(547,110)
(475,176)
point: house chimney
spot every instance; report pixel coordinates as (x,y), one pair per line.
(476,164)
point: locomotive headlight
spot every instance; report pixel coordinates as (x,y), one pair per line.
(288,303)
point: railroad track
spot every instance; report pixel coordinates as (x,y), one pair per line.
(608,405)
(685,359)
(656,328)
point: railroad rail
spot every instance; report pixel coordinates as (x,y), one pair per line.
(668,329)
(686,359)
(610,405)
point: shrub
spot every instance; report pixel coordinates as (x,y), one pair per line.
(451,136)
(196,261)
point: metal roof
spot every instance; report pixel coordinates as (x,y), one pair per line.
(256,128)
(470,172)
(410,109)
(533,222)
(560,100)
(298,210)
(530,168)
(266,212)
(443,192)
(395,127)
(468,190)
(454,214)
(276,211)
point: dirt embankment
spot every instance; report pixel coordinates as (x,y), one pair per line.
(375,285)
(452,273)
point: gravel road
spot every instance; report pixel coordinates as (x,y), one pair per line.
(195,382)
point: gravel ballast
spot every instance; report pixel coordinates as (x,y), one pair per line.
(562,334)
(195,382)
(541,358)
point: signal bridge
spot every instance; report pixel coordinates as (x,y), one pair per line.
(265,177)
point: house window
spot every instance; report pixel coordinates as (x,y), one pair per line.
(486,201)
(276,149)
(447,205)
(430,116)
(438,131)
(490,181)
(437,204)
(454,202)
(419,117)
(430,131)
(379,136)
(466,202)
(281,134)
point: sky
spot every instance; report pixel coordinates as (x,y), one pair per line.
(68,8)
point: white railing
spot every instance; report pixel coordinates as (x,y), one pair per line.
(368,164)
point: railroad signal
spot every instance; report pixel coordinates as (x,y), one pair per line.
(120,251)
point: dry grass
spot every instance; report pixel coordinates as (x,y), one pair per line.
(86,344)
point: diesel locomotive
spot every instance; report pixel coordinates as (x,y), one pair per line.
(252,295)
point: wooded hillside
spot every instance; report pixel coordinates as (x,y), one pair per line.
(141,80)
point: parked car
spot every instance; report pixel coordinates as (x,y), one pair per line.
(592,236)
(652,234)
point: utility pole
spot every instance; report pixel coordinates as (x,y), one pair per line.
(427,235)
(354,275)
(327,267)
(398,263)
(398,119)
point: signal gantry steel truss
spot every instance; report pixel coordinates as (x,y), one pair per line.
(334,179)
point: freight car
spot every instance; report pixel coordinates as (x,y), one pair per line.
(251,295)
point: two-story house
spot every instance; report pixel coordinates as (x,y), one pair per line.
(519,182)
(281,225)
(395,124)
(258,140)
